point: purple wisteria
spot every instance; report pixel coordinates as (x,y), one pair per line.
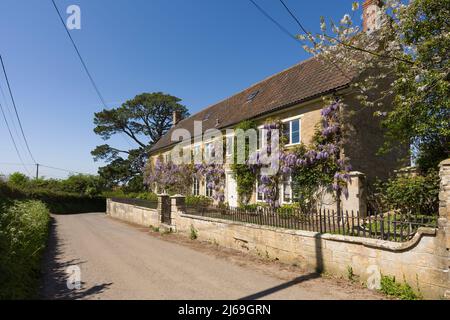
(215,179)
(326,148)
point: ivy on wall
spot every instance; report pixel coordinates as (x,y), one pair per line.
(244,175)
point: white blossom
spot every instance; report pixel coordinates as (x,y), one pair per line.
(346,19)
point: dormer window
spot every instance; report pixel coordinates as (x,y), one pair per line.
(252,96)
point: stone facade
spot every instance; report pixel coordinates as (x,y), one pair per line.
(365,139)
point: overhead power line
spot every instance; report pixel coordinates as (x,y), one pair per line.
(293,36)
(41,165)
(79,56)
(294,17)
(13,141)
(65,170)
(348,45)
(8,109)
(100,96)
(279,25)
(15,109)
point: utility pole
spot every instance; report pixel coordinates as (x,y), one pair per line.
(37,171)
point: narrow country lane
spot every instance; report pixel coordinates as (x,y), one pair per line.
(118,261)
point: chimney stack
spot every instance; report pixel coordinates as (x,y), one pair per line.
(176,117)
(371,15)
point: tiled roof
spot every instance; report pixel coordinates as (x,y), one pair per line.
(306,80)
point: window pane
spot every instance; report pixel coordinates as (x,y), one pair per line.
(295,131)
(287,192)
(229,146)
(196,187)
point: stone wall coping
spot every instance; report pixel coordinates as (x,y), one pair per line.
(177,196)
(367,242)
(356,174)
(132,205)
(445,163)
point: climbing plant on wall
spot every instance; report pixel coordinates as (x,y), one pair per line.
(244,175)
(215,178)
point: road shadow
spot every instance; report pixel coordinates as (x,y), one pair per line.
(319,268)
(282,286)
(54,272)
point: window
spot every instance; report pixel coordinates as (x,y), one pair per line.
(230,145)
(287,189)
(167,157)
(259,195)
(292,131)
(196,152)
(195,187)
(262,140)
(252,96)
(209,188)
(206,117)
(210,152)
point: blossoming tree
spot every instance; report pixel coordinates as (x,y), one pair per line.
(410,52)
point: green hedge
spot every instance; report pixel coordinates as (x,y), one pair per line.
(198,201)
(23,235)
(411,194)
(57,202)
(131,195)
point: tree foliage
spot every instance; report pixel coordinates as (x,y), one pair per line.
(143,120)
(410,56)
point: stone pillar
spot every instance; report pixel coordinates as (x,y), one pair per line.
(444,220)
(108,207)
(178,205)
(163,205)
(357,194)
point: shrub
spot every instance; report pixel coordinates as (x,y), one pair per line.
(131,195)
(194,233)
(57,202)
(402,291)
(249,207)
(81,184)
(198,201)
(18,179)
(23,235)
(288,210)
(411,194)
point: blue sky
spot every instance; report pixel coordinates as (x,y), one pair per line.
(199,50)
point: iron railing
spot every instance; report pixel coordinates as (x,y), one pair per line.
(137,202)
(391,226)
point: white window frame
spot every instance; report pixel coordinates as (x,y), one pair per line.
(195,186)
(257,192)
(166,157)
(283,191)
(262,138)
(208,149)
(198,147)
(290,120)
(227,137)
